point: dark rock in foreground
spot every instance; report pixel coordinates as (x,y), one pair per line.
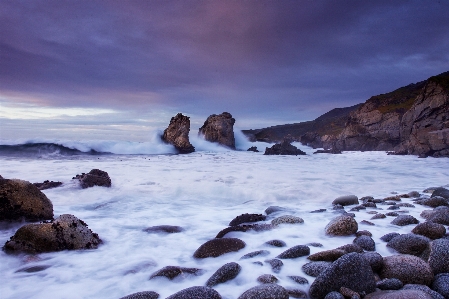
(284,148)
(95,177)
(441,284)
(219,129)
(401,294)
(430,230)
(409,244)
(439,256)
(196,293)
(64,233)
(314,269)
(408,269)
(403,220)
(217,247)
(266,291)
(142,295)
(21,199)
(224,273)
(177,134)
(47,185)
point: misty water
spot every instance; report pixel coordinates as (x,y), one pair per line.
(201,192)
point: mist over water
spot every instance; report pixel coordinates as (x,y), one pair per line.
(201,192)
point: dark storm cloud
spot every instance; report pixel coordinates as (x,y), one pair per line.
(253,57)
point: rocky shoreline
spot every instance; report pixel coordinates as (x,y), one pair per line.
(417,268)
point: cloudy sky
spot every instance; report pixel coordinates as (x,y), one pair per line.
(119,69)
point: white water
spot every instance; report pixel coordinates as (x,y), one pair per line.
(201,192)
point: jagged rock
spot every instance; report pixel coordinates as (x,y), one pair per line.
(315,268)
(267,278)
(346,200)
(294,252)
(400,294)
(439,256)
(167,229)
(441,284)
(430,230)
(177,134)
(276,265)
(350,271)
(64,233)
(253,149)
(424,289)
(21,199)
(142,295)
(287,219)
(217,247)
(95,177)
(389,284)
(409,244)
(276,243)
(367,243)
(244,218)
(403,220)
(171,272)
(219,129)
(407,268)
(265,291)
(441,192)
(342,226)
(224,273)
(284,148)
(195,293)
(254,254)
(47,185)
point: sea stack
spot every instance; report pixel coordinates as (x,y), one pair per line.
(177,134)
(219,129)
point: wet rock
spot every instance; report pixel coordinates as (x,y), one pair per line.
(400,294)
(439,215)
(47,185)
(409,244)
(408,269)
(64,233)
(441,284)
(265,291)
(378,216)
(315,244)
(296,293)
(276,243)
(403,220)
(328,151)
(226,272)
(95,177)
(253,149)
(294,252)
(299,279)
(349,293)
(255,253)
(315,268)
(33,269)
(442,192)
(274,209)
(327,255)
(286,219)
(219,129)
(430,230)
(389,284)
(367,243)
(392,214)
(434,202)
(276,265)
(177,134)
(245,218)
(21,199)
(142,295)
(346,200)
(350,271)
(351,248)
(394,198)
(217,247)
(334,295)
(267,278)
(167,229)
(424,289)
(439,256)
(171,272)
(358,208)
(369,205)
(342,226)
(365,222)
(244,228)
(405,205)
(374,259)
(413,194)
(283,148)
(318,211)
(196,293)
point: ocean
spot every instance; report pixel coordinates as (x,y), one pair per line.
(200,192)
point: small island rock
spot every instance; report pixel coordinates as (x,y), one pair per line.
(177,134)
(219,129)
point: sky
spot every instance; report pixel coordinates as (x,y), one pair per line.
(121,69)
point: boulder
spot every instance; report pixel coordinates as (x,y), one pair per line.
(254,254)
(276,243)
(388,237)
(196,293)
(314,269)
(276,265)
(22,200)
(439,215)
(389,284)
(217,247)
(403,220)
(245,218)
(287,219)
(434,202)
(284,148)
(177,134)
(439,256)
(424,289)
(226,272)
(219,129)
(367,243)
(265,291)
(346,200)
(441,192)
(409,244)
(142,295)
(253,149)
(342,226)
(95,177)
(274,209)
(299,279)
(407,268)
(64,233)
(47,185)
(441,284)
(327,255)
(294,252)
(374,259)
(244,228)
(267,278)
(351,248)
(165,229)
(400,294)
(430,230)
(351,271)
(171,272)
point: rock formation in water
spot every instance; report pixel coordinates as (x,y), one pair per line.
(284,148)
(219,129)
(177,134)
(95,177)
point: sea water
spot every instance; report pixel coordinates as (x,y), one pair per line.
(201,192)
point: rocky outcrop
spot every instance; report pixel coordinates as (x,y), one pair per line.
(284,148)
(47,185)
(219,129)
(64,233)
(177,134)
(95,177)
(21,199)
